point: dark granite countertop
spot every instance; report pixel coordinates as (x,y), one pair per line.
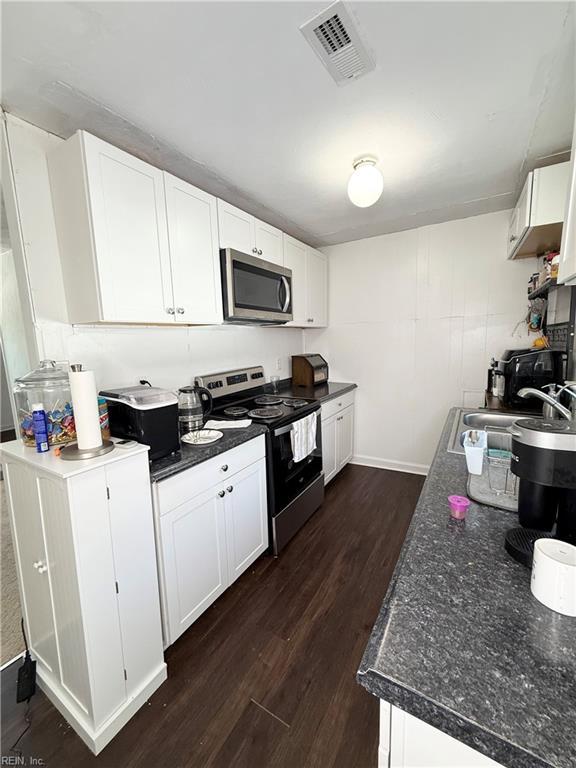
(461,643)
(190,455)
(322,392)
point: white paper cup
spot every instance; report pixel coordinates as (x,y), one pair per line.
(553,580)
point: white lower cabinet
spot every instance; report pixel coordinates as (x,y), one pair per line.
(84,545)
(212,521)
(195,559)
(407,742)
(337,434)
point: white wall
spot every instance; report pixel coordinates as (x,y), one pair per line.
(415,318)
(168,357)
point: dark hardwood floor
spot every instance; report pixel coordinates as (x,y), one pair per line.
(266,677)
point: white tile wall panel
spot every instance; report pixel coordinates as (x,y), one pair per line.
(415,318)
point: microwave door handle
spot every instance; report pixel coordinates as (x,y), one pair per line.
(284,282)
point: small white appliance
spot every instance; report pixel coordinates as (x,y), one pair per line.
(553,580)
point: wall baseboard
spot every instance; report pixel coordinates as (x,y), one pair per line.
(396,466)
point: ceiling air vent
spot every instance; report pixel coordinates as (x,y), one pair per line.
(336,39)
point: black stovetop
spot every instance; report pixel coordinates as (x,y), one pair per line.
(264,408)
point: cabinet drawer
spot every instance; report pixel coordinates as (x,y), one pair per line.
(337,404)
(176,490)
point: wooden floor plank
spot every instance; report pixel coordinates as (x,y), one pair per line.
(266,677)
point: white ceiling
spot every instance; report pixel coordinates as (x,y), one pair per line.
(228,95)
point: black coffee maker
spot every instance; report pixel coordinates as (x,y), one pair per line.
(528,368)
(544,459)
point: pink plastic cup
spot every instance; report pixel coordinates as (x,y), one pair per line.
(458,506)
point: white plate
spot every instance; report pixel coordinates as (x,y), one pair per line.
(202,436)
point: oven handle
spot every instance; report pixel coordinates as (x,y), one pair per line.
(286,284)
(288,428)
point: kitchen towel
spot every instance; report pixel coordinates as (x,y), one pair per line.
(85,405)
(238,424)
(303,437)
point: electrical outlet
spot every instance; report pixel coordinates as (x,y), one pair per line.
(279,364)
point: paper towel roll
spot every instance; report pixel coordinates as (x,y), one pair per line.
(85,404)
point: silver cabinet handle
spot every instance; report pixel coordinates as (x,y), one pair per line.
(221,493)
(259,253)
(224,467)
(513,237)
(180,310)
(43,569)
(230,488)
(310,320)
(255,250)
(170,310)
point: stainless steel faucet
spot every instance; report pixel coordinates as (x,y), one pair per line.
(552,406)
(570,389)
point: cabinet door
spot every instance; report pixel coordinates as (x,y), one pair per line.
(345,436)
(195,558)
(567,266)
(520,219)
(32,561)
(329,455)
(236,229)
(269,242)
(414,743)
(194,255)
(246,517)
(134,551)
(316,288)
(295,259)
(130,234)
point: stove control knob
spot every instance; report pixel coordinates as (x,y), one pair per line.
(224,467)
(221,493)
(230,488)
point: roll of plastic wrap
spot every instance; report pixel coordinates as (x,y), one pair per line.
(85,404)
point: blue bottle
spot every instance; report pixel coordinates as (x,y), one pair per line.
(40,427)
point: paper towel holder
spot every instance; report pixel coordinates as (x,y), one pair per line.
(71,452)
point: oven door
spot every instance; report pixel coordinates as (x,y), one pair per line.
(255,290)
(291,478)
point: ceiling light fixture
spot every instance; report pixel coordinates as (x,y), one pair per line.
(366,183)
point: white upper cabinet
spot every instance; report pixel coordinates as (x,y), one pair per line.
(138,245)
(567,267)
(536,221)
(309,283)
(243,232)
(295,259)
(111,223)
(316,288)
(269,242)
(194,255)
(236,228)
(128,234)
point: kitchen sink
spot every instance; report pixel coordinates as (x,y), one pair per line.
(494,422)
(490,420)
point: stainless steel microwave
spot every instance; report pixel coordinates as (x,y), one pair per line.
(254,290)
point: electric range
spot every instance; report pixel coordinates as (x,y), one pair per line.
(295,489)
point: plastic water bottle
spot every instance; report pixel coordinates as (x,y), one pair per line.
(40,427)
